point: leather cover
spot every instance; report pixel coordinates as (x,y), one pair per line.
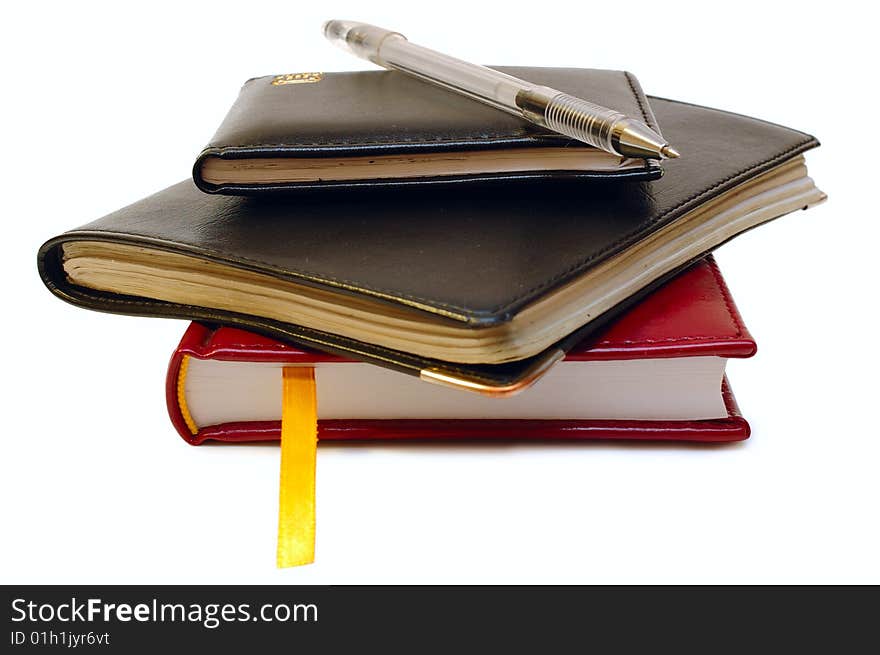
(691,315)
(426,247)
(386,112)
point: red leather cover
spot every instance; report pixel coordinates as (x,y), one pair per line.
(693,314)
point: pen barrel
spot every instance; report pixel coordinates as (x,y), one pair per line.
(581,120)
(573,117)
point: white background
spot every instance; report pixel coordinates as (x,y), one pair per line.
(103,104)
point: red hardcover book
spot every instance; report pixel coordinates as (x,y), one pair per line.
(656,373)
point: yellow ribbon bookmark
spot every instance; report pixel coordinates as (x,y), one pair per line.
(299,441)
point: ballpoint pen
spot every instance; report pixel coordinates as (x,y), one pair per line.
(573,117)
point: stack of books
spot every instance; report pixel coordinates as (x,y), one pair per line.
(447,271)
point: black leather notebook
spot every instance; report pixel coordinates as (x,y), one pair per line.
(371,128)
(480,287)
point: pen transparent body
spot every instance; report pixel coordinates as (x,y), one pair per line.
(574,117)
(478,82)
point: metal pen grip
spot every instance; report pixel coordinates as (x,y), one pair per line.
(582,120)
(573,117)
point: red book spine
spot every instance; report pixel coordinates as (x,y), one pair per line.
(690,315)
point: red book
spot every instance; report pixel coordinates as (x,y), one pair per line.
(656,373)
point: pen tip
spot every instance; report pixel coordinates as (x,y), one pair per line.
(669,152)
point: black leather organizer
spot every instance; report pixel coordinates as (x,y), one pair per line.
(475,257)
(384,113)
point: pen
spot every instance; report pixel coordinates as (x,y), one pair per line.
(576,118)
